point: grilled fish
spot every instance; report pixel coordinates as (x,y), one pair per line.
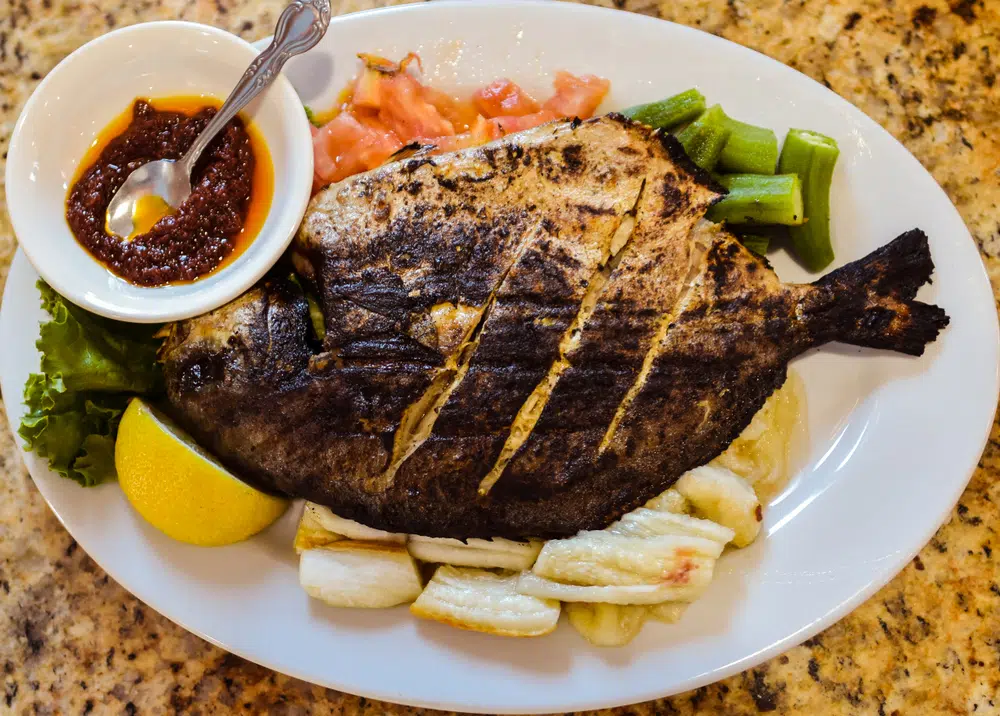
(524,339)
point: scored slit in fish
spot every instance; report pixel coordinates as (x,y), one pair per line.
(642,400)
(526,417)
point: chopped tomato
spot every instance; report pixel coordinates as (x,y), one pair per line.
(349,144)
(367,90)
(369,85)
(577,96)
(405,111)
(503,98)
(385,108)
(462,115)
(509,125)
(481,132)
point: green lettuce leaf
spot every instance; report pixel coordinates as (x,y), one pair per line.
(91,366)
(93,353)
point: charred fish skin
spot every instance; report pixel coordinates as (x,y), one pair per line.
(321,422)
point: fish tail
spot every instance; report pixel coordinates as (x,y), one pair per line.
(873,299)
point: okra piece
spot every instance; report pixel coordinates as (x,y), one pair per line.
(749,149)
(812,156)
(756,243)
(759,199)
(670,112)
(705,137)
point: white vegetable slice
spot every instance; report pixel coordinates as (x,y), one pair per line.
(644,522)
(484,601)
(605,558)
(724,497)
(532,584)
(606,624)
(360,574)
(324,517)
(668,612)
(670,501)
(500,553)
(311,534)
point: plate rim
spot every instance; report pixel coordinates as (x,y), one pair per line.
(878,580)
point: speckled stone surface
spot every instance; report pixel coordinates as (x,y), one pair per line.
(73,641)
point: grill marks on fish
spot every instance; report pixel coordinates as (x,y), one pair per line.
(529,411)
(509,291)
(537,305)
(609,351)
(420,418)
(701,238)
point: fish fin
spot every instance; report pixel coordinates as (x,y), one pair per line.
(873,304)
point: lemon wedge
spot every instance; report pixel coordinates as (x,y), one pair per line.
(180,489)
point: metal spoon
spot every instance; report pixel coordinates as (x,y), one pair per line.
(301,25)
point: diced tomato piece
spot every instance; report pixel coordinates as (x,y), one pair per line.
(509,125)
(405,111)
(503,98)
(462,115)
(481,132)
(367,90)
(577,96)
(349,144)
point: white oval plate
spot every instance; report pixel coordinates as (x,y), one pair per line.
(893,440)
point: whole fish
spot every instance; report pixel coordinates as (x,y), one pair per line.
(524,339)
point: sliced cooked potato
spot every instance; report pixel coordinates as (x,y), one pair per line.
(530,583)
(669,501)
(605,558)
(500,553)
(724,497)
(360,574)
(668,612)
(324,517)
(484,601)
(311,534)
(644,522)
(606,624)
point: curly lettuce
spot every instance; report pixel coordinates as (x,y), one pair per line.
(90,367)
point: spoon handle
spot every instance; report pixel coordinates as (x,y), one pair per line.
(300,26)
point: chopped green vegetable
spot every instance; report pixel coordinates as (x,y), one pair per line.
(758,199)
(90,367)
(812,156)
(749,149)
(670,112)
(705,137)
(311,116)
(756,243)
(316,316)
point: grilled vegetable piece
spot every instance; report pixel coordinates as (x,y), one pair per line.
(498,553)
(723,497)
(670,112)
(606,558)
(360,574)
(758,199)
(705,137)
(668,612)
(324,518)
(484,601)
(812,156)
(607,624)
(756,243)
(531,584)
(749,149)
(416,265)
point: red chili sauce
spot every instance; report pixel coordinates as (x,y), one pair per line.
(231,193)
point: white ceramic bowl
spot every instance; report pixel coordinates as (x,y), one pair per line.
(81,96)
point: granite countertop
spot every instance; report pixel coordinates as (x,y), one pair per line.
(73,641)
